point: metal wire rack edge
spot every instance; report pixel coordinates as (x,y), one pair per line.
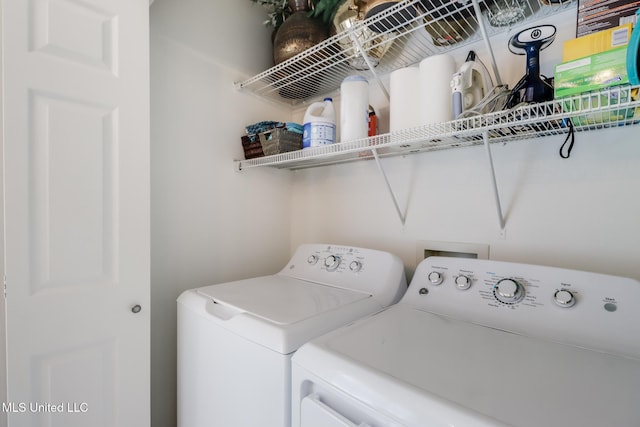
(326,63)
(611,107)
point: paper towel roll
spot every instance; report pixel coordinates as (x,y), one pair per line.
(404,106)
(435,89)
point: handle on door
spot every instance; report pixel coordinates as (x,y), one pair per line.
(136,309)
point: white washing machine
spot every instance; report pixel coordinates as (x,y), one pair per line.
(481,343)
(235,340)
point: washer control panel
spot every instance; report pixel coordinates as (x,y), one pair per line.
(374,272)
(351,260)
(577,307)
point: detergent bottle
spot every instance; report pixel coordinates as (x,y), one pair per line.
(319,124)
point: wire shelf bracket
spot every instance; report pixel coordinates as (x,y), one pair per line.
(494,181)
(391,192)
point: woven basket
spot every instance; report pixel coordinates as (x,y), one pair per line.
(274,141)
(251,149)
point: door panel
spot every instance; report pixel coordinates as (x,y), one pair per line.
(93,371)
(56,25)
(73,223)
(76,176)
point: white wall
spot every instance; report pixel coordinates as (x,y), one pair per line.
(210,224)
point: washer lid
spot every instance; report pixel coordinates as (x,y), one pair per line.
(280,299)
(420,365)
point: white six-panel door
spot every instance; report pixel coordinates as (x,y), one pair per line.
(76,176)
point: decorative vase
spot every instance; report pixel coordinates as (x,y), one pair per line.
(348,18)
(298,32)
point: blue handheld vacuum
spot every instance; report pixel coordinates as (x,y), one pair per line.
(531,87)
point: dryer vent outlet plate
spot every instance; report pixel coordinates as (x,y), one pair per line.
(427,248)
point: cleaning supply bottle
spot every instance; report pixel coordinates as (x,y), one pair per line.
(373,122)
(354,108)
(319,124)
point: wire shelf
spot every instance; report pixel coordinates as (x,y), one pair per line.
(401,35)
(613,107)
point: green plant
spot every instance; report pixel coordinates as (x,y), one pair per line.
(278,11)
(325,10)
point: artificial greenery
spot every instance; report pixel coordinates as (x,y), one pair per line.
(325,10)
(278,12)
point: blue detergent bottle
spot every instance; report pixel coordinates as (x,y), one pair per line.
(319,124)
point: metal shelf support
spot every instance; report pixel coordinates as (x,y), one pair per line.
(496,193)
(386,180)
(487,42)
(610,108)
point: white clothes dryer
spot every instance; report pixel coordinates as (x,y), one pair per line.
(481,343)
(236,339)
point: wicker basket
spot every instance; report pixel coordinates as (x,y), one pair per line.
(251,149)
(274,141)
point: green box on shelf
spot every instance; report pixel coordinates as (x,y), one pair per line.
(594,72)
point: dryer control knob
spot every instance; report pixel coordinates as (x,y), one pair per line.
(463,282)
(508,291)
(332,262)
(564,298)
(435,278)
(313,259)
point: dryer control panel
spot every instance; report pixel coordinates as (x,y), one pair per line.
(575,307)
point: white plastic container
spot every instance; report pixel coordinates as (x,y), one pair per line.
(319,124)
(354,108)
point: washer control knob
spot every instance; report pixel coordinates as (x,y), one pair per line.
(355,266)
(332,262)
(313,259)
(435,278)
(463,282)
(508,291)
(564,298)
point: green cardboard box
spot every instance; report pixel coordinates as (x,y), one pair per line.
(594,72)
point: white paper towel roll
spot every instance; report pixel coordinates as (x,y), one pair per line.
(435,89)
(404,106)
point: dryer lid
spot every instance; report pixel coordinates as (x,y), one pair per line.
(280,299)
